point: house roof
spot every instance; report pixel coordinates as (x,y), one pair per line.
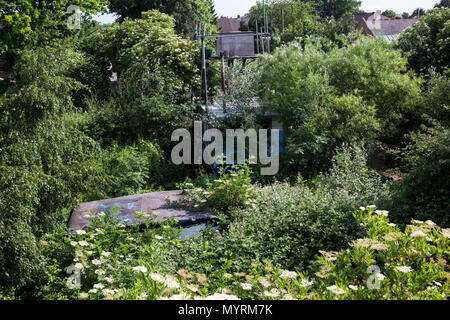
(390,27)
(231,24)
(358,16)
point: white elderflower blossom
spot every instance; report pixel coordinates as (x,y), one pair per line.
(264,282)
(140,269)
(382,213)
(418,234)
(109,292)
(272,293)
(109,280)
(96,262)
(336,290)
(446,233)
(288,274)
(80,232)
(98,286)
(221,296)
(106,254)
(393,225)
(99,272)
(246,286)
(83,243)
(353,287)
(171,283)
(404,269)
(157,277)
(78,266)
(306,283)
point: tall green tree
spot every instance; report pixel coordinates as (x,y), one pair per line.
(336,8)
(443,4)
(389,13)
(20,17)
(187,13)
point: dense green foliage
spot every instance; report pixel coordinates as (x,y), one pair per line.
(346,95)
(70,134)
(297,20)
(187,13)
(47,19)
(427,42)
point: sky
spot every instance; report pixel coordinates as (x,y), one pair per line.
(232,8)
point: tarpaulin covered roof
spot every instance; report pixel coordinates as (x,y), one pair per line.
(150,203)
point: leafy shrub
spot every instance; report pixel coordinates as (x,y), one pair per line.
(350,175)
(231,190)
(427,42)
(115,262)
(437,98)
(424,192)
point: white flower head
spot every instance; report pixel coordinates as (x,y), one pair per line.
(78,266)
(157,277)
(80,232)
(288,274)
(353,287)
(336,290)
(83,243)
(106,254)
(171,283)
(272,293)
(404,269)
(306,283)
(416,234)
(140,269)
(221,296)
(96,262)
(108,292)
(99,272)
(246,286)
(382,213)
(98,286)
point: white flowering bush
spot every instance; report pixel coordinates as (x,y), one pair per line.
(387,263)
(112,260)
(106,261)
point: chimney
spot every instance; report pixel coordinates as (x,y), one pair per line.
(377,15)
